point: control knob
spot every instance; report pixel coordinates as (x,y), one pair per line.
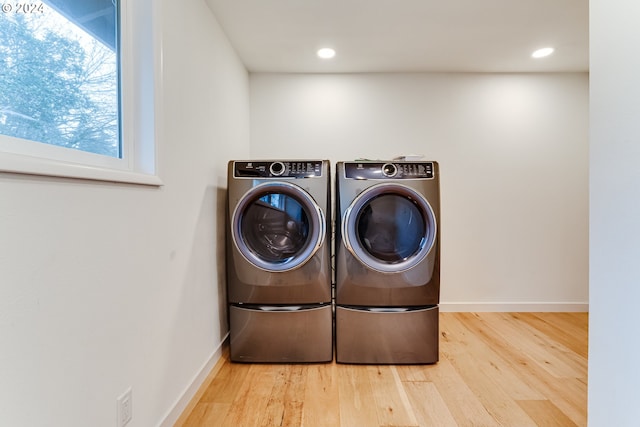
(277,168)
(389,170)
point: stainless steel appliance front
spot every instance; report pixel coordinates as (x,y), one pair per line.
(387,260)
(278,256)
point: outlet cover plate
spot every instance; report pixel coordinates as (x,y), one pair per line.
(125,408)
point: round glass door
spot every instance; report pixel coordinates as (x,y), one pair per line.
(277,226)
(389,227)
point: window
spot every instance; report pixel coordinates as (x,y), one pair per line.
(73,101)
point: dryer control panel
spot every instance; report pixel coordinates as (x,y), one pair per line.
(389,170)
(278,169)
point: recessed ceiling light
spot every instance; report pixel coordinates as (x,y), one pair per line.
(326,53)
(541,53)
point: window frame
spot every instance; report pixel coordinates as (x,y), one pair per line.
(140,93)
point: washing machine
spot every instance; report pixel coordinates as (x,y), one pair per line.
(387,262)
(279,261)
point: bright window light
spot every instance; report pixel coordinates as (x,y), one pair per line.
(59,79)
(78,89)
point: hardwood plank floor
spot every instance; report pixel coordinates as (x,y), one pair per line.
(495,369)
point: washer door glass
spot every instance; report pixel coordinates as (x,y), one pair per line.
(278,226)
(389,227)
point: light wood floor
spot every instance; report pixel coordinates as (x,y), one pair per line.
(495,369)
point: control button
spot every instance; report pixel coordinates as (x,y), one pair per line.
(277,168)
(389,170)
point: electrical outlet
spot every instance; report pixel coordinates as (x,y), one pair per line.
(125,408)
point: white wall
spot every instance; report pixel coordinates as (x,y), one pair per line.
(105,286)
(614,349)
(513,152)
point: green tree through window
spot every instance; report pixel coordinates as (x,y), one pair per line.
(58,84)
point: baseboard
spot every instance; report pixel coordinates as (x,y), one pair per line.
(574,307)
(179,407)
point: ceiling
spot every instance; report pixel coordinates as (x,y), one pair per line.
(407,35)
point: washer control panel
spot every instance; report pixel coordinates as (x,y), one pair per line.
(389,170)
(278,169)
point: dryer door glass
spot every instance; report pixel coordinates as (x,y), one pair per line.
(275,227)
(391,228)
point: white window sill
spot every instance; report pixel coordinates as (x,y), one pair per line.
(21,164)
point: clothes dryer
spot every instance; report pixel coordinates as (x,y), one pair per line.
(279,261)
(387,262)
